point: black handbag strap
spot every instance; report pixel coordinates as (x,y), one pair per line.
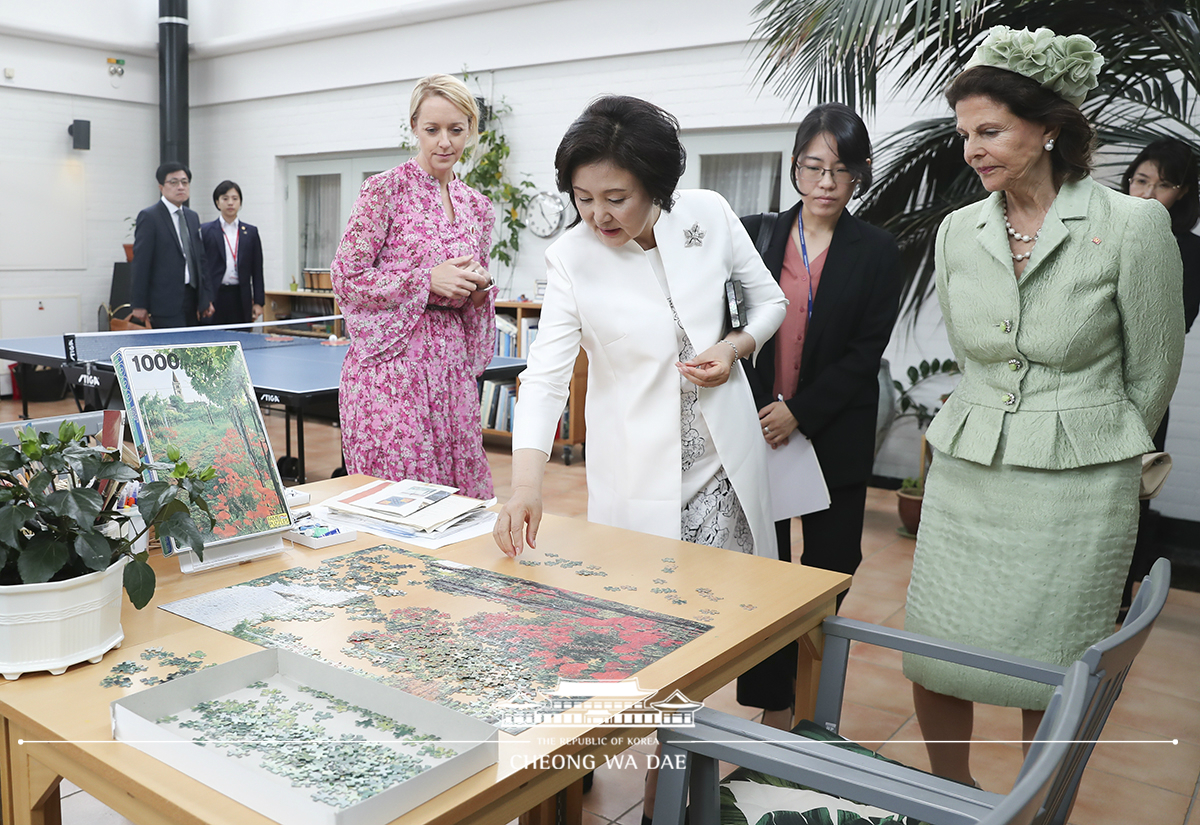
(767,222)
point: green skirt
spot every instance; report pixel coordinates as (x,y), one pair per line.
(1019,560)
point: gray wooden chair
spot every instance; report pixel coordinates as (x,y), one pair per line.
(1031,791)
(842,769)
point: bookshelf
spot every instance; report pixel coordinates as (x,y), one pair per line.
(572,435)
(296,304)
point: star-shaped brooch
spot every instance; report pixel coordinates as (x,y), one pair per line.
(693,236)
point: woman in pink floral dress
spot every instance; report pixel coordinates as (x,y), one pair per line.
(410,274)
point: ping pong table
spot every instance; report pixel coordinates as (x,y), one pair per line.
(290,371)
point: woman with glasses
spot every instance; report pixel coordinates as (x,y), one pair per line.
(1165,171)
(818,378)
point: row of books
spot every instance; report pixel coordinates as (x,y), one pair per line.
(496,405)
(514,341)
(499,400)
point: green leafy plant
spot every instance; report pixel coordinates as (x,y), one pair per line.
(55,523)
(917,375)
(486,172)
(912,486)
(817,50)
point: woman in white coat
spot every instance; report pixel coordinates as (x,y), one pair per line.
(674,446)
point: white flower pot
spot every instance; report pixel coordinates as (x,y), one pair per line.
(53,625)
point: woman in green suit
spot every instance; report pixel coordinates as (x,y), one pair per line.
(1063,304)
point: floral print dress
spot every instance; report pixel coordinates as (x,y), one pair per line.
(409,400)
(712,515)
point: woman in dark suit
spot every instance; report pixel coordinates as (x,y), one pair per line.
(234,257)
(1165,171)
(819,376)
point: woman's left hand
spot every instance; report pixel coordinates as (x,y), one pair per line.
(777,423)
(481,290)
(710,368)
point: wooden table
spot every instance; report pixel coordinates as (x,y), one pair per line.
(54,727)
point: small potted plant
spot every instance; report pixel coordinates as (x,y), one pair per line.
(67,546)
(912,490)
(909,497)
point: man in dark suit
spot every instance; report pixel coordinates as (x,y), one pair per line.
(168,257)
(234,260)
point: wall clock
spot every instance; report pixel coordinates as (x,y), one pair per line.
(545,214)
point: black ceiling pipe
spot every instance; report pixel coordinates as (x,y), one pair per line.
(173,81)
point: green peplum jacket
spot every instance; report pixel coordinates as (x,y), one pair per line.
(1081,355)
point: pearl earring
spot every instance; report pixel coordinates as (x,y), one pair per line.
(1050,145)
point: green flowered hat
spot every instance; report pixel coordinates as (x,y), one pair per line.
(1066,66)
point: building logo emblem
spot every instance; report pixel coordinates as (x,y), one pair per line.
(593,703)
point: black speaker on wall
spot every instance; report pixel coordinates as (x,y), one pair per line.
(81,131)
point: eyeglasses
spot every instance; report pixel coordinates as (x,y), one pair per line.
(180,182)
(1143,182)
(815,174)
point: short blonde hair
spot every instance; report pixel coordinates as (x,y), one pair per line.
(453,90)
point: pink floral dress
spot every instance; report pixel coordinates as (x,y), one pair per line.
(409,399)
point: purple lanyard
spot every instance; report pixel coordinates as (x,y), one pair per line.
(804,257)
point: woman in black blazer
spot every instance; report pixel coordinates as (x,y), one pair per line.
(824,365)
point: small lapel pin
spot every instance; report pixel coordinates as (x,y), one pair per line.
(1096,241)
(693,236)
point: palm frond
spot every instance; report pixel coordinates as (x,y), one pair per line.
(839,49)
(922,179)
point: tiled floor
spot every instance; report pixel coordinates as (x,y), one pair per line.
(1125,783)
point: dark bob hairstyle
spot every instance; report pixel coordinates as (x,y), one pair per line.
(1176,163)
(631,134)
(223,187)
(844,125)
(1071,158)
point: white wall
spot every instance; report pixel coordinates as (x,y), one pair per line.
(1181,497)
(115,179)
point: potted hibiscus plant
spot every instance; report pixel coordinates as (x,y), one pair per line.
(67,546)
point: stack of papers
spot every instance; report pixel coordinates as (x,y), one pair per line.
(414,504)
(430,515)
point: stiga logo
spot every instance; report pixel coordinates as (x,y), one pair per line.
(593,703)
(87,380)
(269,398)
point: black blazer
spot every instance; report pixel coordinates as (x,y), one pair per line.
(157,269)
(836,400)
(1189,250)
(249,262)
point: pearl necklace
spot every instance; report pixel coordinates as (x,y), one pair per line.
(1020,238)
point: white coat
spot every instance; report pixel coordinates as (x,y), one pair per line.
(609,302)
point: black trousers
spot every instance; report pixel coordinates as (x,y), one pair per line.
(228,307)
(185,318)
(832,541)
(1147,549)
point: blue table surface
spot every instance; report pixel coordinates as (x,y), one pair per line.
(302,365)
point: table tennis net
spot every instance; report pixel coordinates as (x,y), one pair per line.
(99,346)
